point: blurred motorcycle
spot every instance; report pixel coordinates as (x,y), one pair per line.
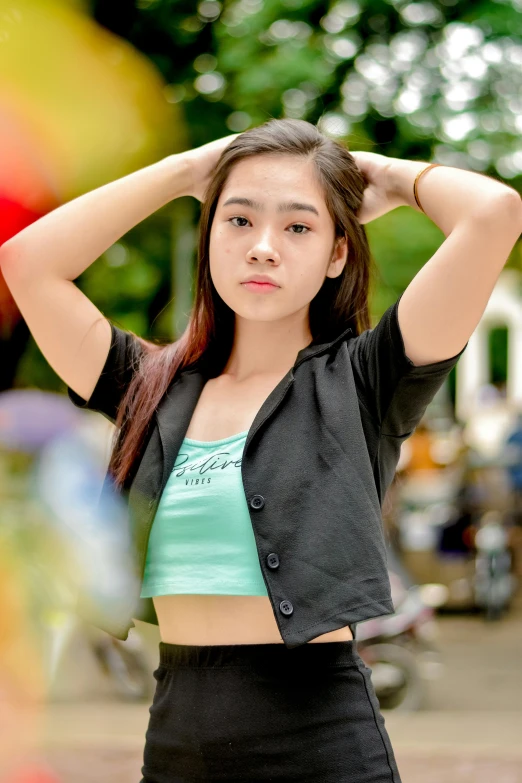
(494,583)
(125,663)
(401,649)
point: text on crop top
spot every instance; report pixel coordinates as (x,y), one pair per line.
(201,540)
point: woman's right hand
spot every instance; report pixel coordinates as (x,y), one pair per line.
(202,163)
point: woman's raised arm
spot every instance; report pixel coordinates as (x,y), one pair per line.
(41,261)
(481,219)
(69,239)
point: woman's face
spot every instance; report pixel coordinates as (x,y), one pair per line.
(286,233)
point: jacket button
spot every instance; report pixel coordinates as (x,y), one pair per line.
(272,560)
(286,607)
(257,502)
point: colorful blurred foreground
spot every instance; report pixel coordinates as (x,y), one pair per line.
(61,547)
(78,107)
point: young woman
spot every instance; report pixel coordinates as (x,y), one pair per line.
(256,450)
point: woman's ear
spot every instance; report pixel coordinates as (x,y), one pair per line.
(339,257)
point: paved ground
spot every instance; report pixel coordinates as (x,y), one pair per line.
(470,732)
(114,767)
(443,747)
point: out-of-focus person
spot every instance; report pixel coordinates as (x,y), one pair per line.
(514,468)
(513,458)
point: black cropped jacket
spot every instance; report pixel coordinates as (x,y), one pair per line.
(318,459)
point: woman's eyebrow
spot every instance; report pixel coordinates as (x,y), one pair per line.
(285,206)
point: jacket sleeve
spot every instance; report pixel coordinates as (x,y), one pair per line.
(393,389)
(119,368)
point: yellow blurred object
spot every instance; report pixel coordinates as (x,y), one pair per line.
(84,105)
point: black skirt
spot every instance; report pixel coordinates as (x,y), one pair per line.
(264,712)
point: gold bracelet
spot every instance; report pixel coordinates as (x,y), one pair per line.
(417,178)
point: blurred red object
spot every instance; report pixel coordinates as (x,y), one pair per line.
(28,188)
(13,218)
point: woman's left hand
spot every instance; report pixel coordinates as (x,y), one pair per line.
(378,198)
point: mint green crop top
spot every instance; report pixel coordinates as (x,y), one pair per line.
(201,539)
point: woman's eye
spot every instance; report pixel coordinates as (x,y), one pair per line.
(236,218)
(299,225)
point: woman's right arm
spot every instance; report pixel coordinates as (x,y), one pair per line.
(40,263)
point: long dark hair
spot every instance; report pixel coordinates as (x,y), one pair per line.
(341,302)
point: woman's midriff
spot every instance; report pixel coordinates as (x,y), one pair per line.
(224,619)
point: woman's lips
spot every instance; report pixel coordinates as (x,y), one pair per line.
(260,288)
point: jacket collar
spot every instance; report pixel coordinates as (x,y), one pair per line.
(316,348)
(175,410)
